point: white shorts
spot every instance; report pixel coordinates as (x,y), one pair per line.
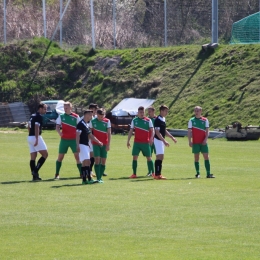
(41,146)
(90,146)
(84,152)
(159,146)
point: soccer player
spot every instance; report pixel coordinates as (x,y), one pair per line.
(68,122)
(36,142)
(198,132)
(159,140)
(83,136)
(144,133)
(152,116)
(94,108)
(101,129)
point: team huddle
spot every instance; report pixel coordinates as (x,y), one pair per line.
(89,139)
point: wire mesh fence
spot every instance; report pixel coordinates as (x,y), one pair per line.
(122,23)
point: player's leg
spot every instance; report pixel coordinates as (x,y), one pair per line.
(197,164)
(73,147)
(196,149)
(88,173)
(103,156)
(135,153)
(92,159)
(33,152)
(83,171)
(205,153)
(146,150)
(97,154)
(159,146)
(33,157)
(151,168)
(63,149)
(42,149)
(84,157)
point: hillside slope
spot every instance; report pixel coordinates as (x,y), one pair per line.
(225,82)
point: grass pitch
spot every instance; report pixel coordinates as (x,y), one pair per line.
(180,218)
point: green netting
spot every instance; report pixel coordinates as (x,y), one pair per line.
(246,30)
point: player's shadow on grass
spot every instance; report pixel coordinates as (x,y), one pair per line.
(30,181)
(67,185)
(13,182)
(127,178)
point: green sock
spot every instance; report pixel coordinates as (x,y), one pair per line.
(207,166)
(134,166)
(79,165)
(150,166)
(97,170)
(58,166)
(197,167)
(102,170)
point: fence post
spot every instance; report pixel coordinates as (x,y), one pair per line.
(92,24)
(61,9)
(44,17)
(114,22)
(214,21)
(165,23)
(4,21)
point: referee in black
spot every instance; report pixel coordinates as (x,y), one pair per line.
(82,139)
(36,142)
(159,140)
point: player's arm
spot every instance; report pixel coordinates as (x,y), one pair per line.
(36,132)
(206,137)
(151,130)
(157,132)
(29,126)
(151,135)
(207,132)
(94,139)
(170,136)
(58,125)
(190,133)
(78,133)
(108,135)
(190,136)
(108,138)
(90,126)
(130,133)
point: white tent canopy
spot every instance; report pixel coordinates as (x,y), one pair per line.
(129,106)
(60,107)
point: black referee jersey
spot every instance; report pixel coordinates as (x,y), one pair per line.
(82,127)
(159,123)
(35,119)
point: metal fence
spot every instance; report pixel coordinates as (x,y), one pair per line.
(122,23)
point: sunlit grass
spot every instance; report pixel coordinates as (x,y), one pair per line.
(180,218)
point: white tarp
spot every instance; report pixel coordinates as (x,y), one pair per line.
(60,107)
(129,106)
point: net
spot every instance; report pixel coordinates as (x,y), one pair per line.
(246,30)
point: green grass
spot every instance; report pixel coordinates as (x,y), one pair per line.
(180,218)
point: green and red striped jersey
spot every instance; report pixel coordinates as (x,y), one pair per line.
(99,129)
(142,129)
(198,127)
(68,124)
